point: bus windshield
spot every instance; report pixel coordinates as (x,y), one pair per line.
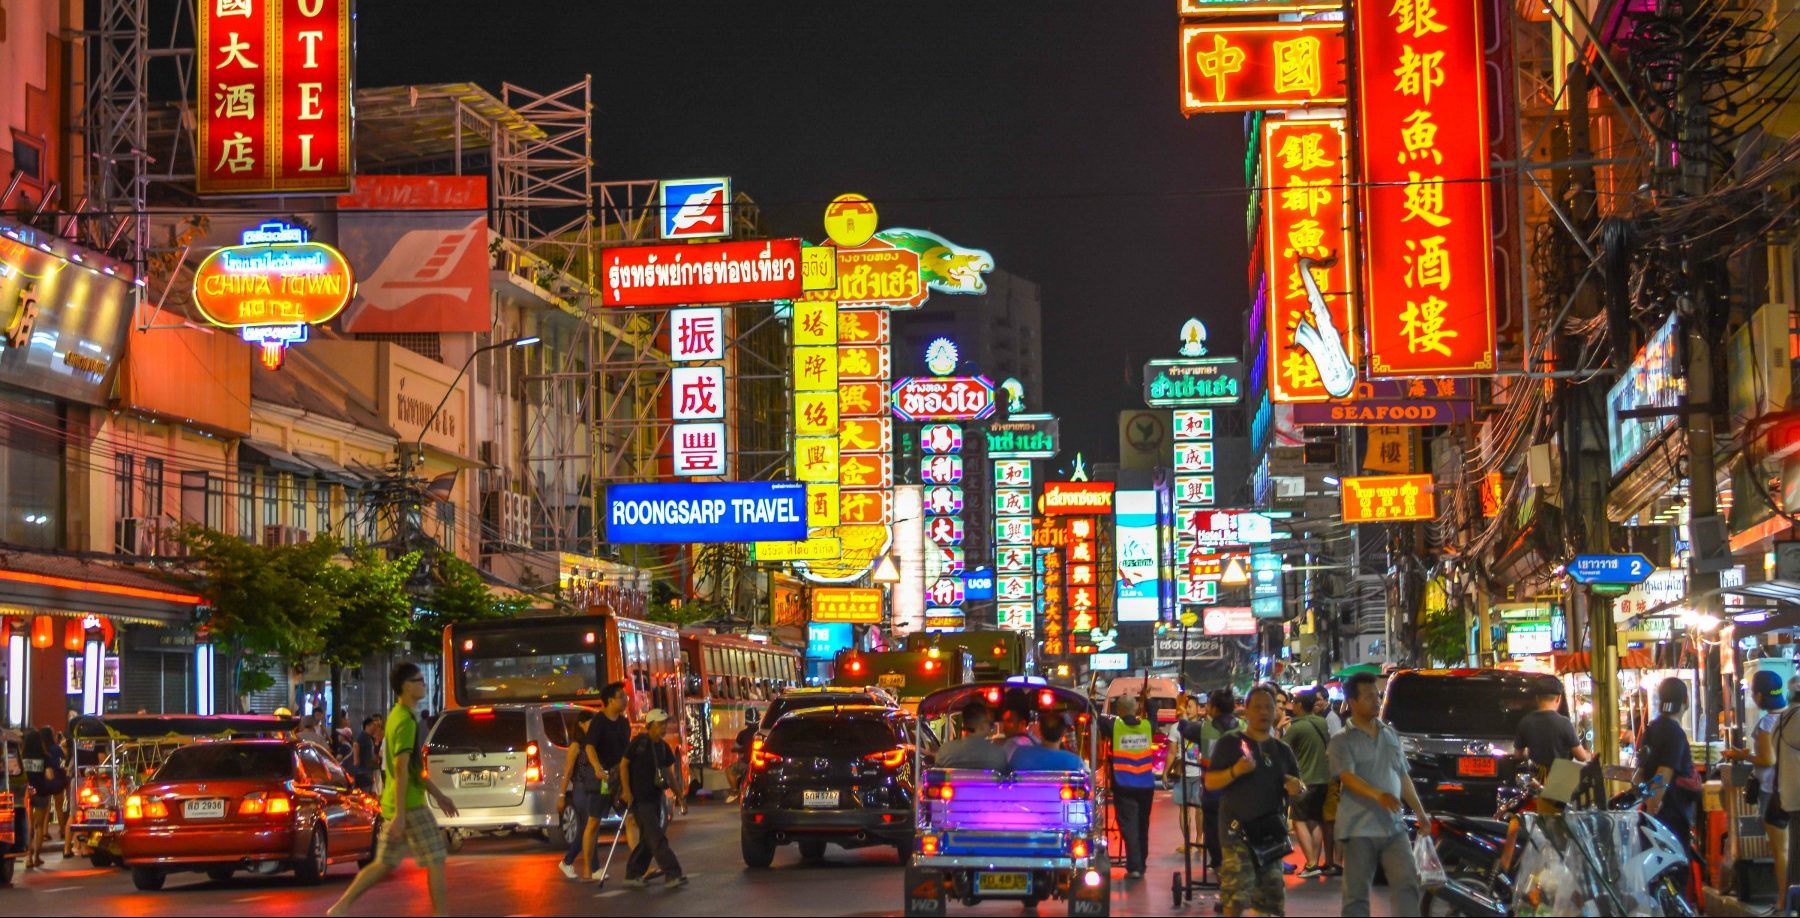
(530,662)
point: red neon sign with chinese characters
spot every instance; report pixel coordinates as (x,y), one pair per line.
(1429,276)
(274,96)
(1389,498)
(1244,66)
(1313,340)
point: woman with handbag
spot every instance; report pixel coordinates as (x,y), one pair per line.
(1761,792)
(1258,775)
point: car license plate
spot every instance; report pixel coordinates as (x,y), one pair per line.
(1478,766)
(819,798)
(1016,882)
(894,681)
(475,779)
(97,815)
(213,808)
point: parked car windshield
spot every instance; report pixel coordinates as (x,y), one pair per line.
(478,731)
(226,761)
(1461,705)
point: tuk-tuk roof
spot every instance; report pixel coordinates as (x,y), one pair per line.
(156,726)
(944,701)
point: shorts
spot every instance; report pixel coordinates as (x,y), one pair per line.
(1332,791)
(423,840)
(1244,886)
(1311,805)
(1189,791)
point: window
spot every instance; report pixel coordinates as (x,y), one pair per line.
(153,488)
(297,489)
(556,730)
(323,502)
(193,497)
(215,502)
(271,500)
(246,485)
(123,480)
(446,518)
(313,764)
(28,156)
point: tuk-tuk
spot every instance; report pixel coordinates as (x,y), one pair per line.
(1026,836)
(15,804)
(111,756)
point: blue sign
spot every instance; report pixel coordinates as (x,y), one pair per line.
(1631,569)
(823,641)
(726,511)
(695,208)
(979,584)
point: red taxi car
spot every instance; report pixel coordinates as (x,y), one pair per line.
(262,805)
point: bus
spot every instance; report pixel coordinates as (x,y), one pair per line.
(729,679)
(909,674)
(997,654)
(569,658)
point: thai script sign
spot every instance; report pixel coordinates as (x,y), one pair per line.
(943,398)
(708,272)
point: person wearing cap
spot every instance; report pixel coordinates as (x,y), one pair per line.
(1766,691)
(649,772)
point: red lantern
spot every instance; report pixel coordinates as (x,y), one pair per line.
(5,631)
(43,632)
(74,636)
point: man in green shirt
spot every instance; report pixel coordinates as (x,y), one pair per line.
(1307,734)
(408,825)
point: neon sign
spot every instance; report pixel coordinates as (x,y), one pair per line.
(272,287)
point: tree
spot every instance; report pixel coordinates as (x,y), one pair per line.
(373,610)
(263,601)
(457,595)
(1442,638)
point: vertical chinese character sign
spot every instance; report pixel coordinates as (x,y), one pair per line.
(942,472)
(1306,214)
(1082,580)
(1428,292)
(1195,483)
(697,392)
(273,110)
(1014,589)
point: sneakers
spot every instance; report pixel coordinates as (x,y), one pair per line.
(636,882)
(1288,867)
(1310,871)
(568,870)
(1331,870)
(675,880)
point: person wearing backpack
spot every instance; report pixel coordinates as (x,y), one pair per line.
(1766,691)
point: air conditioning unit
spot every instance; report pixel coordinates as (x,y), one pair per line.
(506,518)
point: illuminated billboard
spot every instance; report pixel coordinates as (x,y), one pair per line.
(704,272)
(1136,555)
(1428,289)
(1306,217)
(1260,65)
(727,511)
(1388,498)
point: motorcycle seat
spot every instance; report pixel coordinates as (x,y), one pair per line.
(1478,825)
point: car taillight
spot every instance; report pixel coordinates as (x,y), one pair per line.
(134,807)
(1078,848)
(856,667)
(1074,791)
(890,758)
(761,759)
(1046,698)
(137,807)
(993,697)
(534,766)
(89,796)
(259,803)
(931,666)
(939,792)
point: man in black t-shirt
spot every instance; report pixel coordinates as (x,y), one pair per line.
(649,773)
(1546,735)
(1256,774)
(605,745)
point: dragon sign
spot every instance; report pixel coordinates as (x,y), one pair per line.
(945,266)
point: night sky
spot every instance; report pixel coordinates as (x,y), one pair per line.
(1047,133)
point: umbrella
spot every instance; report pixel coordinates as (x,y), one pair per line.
(1349,671)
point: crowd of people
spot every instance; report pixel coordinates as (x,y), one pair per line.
(1255,777)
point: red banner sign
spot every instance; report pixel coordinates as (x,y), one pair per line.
(1429,277)
(1078,498)
(943,398)
(1388,498)
(1306,212)
(274,96)
(711,272)
(1245,66)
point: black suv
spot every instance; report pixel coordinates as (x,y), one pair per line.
(840,774)
(795,699)
(1458,727)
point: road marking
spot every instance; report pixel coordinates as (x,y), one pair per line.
(60,889)
(609,893)
(249,898)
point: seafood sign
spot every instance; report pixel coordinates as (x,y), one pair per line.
(716,272)
(945,398)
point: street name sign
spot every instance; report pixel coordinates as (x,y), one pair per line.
(1611,569)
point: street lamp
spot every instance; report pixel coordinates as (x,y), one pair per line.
(419,446)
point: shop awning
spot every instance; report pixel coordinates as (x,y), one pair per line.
(1349,671)
(275,456)
(329,468)
(1581,662)
(45,583)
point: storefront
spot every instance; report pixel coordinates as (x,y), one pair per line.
(81,636)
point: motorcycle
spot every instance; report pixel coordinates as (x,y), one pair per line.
(1487,891)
